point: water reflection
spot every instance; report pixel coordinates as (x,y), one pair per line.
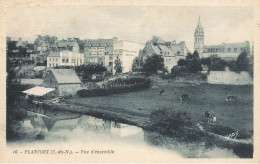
(47,127)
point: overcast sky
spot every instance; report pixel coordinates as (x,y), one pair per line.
(139,24)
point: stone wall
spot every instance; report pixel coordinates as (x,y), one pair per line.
(229,78)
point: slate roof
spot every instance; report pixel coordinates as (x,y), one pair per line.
(66,76)
(99,42)
(65,43)
(164,48)
(155,48)
(178,48)
(54,54)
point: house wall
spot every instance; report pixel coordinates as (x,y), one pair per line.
(127,52)
(69,58)
(50,81)
(53,62)
(229,78)
(68,89)
(97,55)
(171,61)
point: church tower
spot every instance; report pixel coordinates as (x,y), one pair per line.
(199,38)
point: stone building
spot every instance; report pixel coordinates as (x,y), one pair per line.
(170,51)
(126,51)
(65,58)
(226,51)
(65,81)
(68,45)
(99,51)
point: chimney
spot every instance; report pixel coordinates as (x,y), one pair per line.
(174,42)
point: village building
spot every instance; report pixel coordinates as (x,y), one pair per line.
(68,45)
(126,51)
(65,58)
(44,43)
(226,51)
(65,81)
(170,51)
(100,51)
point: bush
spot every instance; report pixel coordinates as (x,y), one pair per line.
(194,65)
(243,62)
(218,64)
(140,85)
(232,66)
(176,70)
(153,64)
(169,122)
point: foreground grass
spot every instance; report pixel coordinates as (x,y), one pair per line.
(204,97)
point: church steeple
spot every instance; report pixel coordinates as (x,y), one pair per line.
(199,38)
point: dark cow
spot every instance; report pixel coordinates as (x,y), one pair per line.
(162,92)
(184,97)
(210,116)
(231,99)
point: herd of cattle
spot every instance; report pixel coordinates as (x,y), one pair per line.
(209,116)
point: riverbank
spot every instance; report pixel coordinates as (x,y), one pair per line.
(204,97)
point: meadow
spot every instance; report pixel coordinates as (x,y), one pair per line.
(203,97)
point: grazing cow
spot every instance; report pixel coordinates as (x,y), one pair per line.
(162,92)
(210,117)
(184,97)
(231,99)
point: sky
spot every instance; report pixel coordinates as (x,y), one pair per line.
(136,23)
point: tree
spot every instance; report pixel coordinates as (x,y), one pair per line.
(243,62)
(182,62)
(136,64)
(153,64)
(205,61)
(86,71)
(194,65)
(192,56)
(189,56)
(196,54)
(118,65)
(218,64)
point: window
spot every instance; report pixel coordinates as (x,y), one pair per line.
(235,49)
(56,59)
(229,49)
(63,60)
(67,60)
(50,65)
(56,65)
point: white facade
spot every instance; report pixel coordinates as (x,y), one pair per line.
(65,58)
(126,51)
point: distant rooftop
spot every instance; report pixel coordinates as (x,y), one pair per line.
(66,76)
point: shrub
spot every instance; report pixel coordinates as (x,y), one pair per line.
(153,64)
(176,70)
(169,122)
(232,66)
(243,62)
(218,64)
(194,65)
(139,84)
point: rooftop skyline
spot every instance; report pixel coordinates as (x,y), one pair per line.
(137,23)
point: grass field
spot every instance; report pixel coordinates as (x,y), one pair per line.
(204,97)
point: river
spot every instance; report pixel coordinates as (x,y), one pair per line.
(73,130)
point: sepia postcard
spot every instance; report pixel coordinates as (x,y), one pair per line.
(129,81)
